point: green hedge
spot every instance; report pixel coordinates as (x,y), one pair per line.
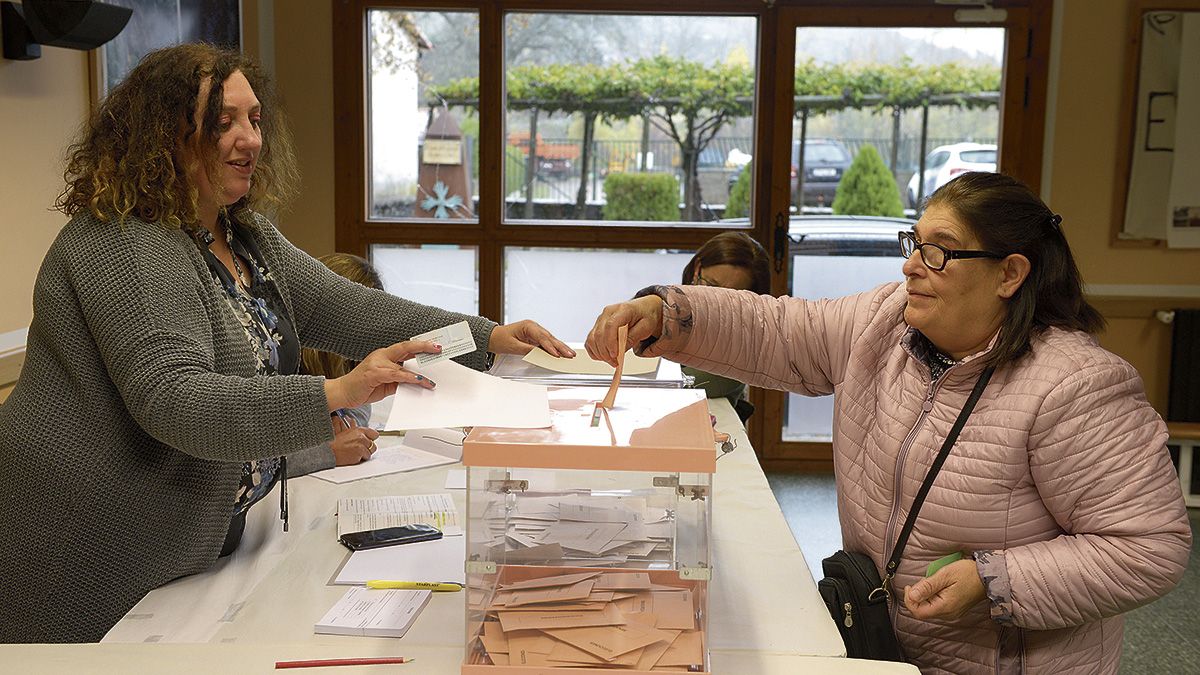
(868,188)
(641,196)
(514,169)
(738,204)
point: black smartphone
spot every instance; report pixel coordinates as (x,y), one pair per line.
(388,536)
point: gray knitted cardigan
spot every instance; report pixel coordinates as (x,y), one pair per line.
(122,442)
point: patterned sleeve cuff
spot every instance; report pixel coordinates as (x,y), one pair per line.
(677,320)
(994,573)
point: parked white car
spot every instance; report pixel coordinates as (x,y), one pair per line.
(946,162)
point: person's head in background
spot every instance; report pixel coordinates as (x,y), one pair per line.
(191,129)
(730,260)
(360,271)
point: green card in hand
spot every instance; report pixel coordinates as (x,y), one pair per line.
(942,562)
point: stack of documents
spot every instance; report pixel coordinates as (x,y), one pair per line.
(595,529)
(373,613)
(593,619)
(537,367)
(437,561)
(357,514)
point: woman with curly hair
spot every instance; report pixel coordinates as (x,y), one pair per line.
(163,359)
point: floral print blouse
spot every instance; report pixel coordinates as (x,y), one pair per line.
(261,312)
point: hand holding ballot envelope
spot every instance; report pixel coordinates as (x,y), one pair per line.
(643,317)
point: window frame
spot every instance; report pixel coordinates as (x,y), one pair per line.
(1021,138)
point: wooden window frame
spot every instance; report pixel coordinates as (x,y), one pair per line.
(1021,143)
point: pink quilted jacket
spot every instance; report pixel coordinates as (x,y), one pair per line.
(1061,474)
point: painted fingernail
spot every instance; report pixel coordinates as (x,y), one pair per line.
(438,347)
(432,384)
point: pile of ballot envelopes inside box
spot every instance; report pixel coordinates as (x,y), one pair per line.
(593,619)
(599,529)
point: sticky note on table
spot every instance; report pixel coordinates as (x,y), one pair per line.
(455,339)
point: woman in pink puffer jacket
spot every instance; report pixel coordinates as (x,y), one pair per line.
(1059,491)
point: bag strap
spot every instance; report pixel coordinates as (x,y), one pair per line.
(897,552)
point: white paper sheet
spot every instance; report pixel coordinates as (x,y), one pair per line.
(438,560)
(582,364)
(456,479)
(391,456)
(1183,205)
(373,613)
(464,397)
(356,514)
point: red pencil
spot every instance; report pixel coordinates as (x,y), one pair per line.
(317,663)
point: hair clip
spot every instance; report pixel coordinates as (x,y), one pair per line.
(1055,220)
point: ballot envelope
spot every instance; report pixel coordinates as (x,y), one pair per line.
(588,543)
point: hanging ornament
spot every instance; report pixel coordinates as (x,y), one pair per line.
(441,202)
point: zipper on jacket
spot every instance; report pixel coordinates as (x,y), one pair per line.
(889,542)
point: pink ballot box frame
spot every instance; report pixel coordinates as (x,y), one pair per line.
(589,541)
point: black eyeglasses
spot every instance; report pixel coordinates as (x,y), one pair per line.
(935,257)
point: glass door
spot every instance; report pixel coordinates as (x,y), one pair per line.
(873,112)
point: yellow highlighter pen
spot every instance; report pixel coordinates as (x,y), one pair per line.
(439,586)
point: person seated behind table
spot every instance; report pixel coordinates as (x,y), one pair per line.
(163,356)
(353,440)
(1059,493)
(729,260)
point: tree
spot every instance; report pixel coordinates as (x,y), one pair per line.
(595,92)
(691,102)
(867,188)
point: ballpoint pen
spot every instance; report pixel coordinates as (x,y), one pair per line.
(341,415)
(441,586)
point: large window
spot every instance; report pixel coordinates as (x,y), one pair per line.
(423,153)
(543,159)
(656,109)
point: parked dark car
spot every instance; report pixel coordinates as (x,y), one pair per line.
(825,161)
(846,235)
(841,235)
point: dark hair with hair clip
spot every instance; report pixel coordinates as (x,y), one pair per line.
(1006,216)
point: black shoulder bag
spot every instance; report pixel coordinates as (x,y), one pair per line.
(852,590)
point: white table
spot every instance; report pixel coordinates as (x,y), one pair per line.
(259,605)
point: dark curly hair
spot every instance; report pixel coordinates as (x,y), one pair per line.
(126,160)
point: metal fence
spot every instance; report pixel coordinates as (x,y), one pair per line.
(561,183)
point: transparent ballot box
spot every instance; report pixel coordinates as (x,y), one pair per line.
(588,542)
